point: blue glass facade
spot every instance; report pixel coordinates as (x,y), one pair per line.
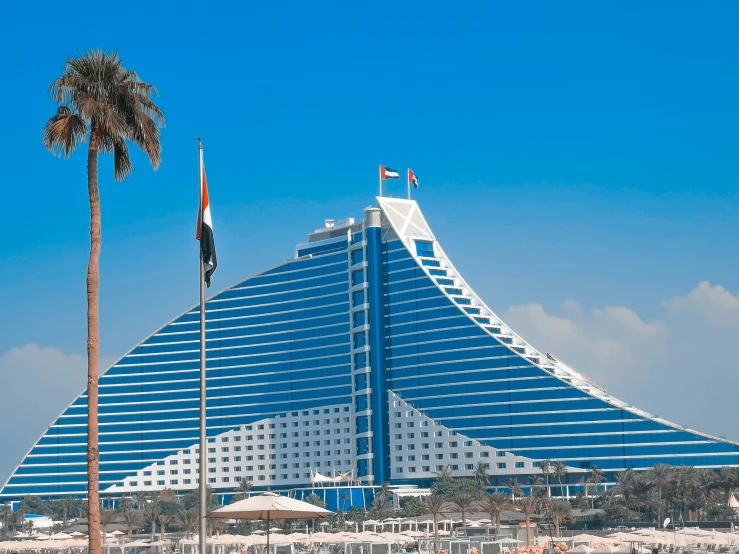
(304,361)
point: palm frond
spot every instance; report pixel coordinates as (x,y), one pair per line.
(111,102)
(122,163)
(63,132)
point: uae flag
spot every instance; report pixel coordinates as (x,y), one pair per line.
(412,179)
(387,173)
(204,234)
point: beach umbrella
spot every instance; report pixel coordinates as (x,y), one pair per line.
(269,506)
(584,537)
(582,549)
(605,549)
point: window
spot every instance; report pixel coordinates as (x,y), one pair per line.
(501,465)
(424,248)
(358,298)
(358,319)
(357,256)
(500,453)
(519,465)
(360,339)
(357,277)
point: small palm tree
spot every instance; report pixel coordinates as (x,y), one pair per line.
(129,514)
(494,504)
(596,477)
(546,466)
(528,505)
(106,518)
(163,519)
(344,499)
(101,101)
(242,490)
(481,477)
(435,505)
(314,499)
(559,511)
(188,520)
(445,475)
(514,485)
(559,471)
(27,527)
(464,501)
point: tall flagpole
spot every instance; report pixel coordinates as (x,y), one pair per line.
(203,474)
(380,176)
(408,177)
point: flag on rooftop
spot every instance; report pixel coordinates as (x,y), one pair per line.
(412,179)
(204,232)
(387,173)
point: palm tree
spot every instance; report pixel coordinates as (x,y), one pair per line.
(481,477)
(127,510)
(344,499)
(445,475)
(99,98)
(434,505)
(596,477)
(658,478)
(27,527)
(546,466)
(559,510)
(6,512)
(314,499)
(106,518)
(514,485)
(494,504)
(463,501)
(163,520)
(188,520)
(528,505)
(382,502)
(559,471)
(684,479)
(242,490)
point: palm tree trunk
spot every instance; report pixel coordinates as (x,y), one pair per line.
(436,526)
(93,351)
(528,530)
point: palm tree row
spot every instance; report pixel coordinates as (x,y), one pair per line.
(672,490)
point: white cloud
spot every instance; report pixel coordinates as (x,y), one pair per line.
(613,334)
(711,303)
(677,365)
(38,383)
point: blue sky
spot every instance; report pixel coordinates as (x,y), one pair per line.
(573,158)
